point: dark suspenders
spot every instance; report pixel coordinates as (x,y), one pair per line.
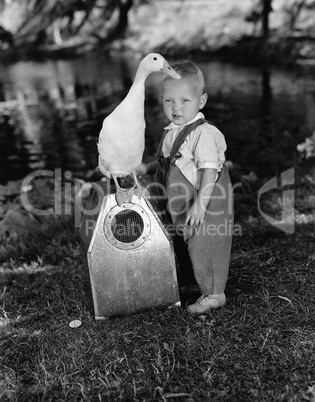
(164,163)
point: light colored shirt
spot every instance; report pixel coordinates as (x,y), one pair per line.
(203,148)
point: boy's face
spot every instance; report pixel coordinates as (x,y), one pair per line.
(182,99)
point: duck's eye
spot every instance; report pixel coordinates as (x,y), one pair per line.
(154,58)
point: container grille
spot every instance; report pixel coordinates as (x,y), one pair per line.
(127,226)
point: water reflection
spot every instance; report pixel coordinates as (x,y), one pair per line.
(51,113)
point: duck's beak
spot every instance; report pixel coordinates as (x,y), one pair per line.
(167,69)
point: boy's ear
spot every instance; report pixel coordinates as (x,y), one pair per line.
(203,100)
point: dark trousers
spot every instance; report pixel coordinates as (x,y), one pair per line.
(209,244)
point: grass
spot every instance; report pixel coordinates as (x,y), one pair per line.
(260,347)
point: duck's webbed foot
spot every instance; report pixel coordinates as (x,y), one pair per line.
(126,194)
(138,190)
(122,197)
(122,194)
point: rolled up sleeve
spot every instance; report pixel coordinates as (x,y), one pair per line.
(209,147)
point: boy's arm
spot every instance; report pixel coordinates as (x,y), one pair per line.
(196,213)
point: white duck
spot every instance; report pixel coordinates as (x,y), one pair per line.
(121,140)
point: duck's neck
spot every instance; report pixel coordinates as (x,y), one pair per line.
(137,90)
(141,76)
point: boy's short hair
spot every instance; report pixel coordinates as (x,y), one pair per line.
(187,68)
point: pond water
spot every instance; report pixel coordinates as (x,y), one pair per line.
(51,113)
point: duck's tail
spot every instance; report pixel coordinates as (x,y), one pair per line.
(103,168)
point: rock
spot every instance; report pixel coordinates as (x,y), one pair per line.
(11,189)
(251,177)
(17,223)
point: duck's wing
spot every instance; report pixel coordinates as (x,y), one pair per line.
(121,140)
(103,167)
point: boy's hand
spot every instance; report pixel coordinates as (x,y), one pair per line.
(197,211)
(146,168)
(142,169)
(195,215)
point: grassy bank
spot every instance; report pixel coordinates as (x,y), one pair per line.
(230,30)
(258,348)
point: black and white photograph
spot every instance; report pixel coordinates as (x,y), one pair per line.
(157,200)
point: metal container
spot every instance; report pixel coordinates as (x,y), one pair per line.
(130,256)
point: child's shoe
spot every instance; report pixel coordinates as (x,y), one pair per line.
(205,303)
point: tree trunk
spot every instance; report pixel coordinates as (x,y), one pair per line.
(122,25)
(265,19)
(295,13)
(57,34)
(125,6)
